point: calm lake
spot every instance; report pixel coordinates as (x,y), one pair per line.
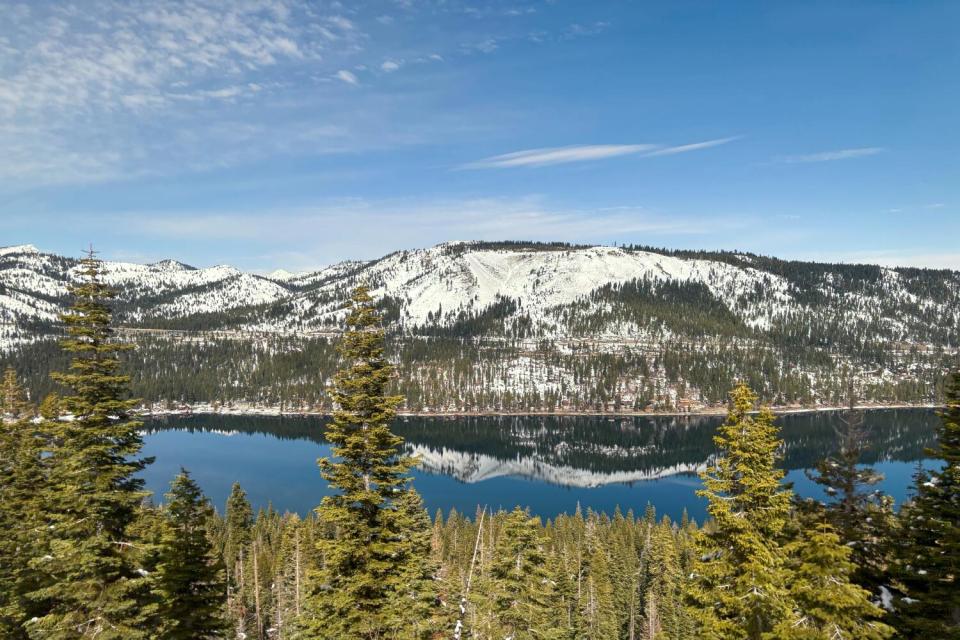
(550,464)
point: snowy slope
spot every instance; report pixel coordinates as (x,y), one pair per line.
(441,283)
(35,286)
(455,278)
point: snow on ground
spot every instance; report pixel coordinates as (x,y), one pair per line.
(460,277)
(160,277)
(240,291)
(449,279)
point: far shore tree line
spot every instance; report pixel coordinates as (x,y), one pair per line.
(85,552)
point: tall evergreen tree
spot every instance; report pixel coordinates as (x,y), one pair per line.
(597,609)
(239,521)
(13,399)
(364,562)
(20,476)
(516,588)
(92,589)
(828,605)
(237,535)
(929,562)
(863,517)
(290,566)
(416,614)
(741,588)
(189,578)
(661,580)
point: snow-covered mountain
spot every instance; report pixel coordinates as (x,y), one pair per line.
(35,286)
(604,298)
(440,284)
(446,280)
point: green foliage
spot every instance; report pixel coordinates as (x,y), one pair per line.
(741,589)
(827,605)
(188,581)
(90,588)
(236,542)
(83,554)
(515,588)
(359,589)
(929,562)
(685,308)
(21,473)
(862,517)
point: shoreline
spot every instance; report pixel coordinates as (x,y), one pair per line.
(276,412)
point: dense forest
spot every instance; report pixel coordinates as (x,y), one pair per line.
(86,553)
(461,375)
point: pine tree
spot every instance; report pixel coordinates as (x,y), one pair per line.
(290,565)
(92,497)
(20,475)
(236,542)
(929,562)
(740,589)
(50,407)
(597,611)
(863,518)
(354,592)
(662,581)
(517,588)
(239,521)
(416,601)
(13,400)
(828,605)
(189,577)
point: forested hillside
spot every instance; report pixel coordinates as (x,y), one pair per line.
(87,554)
(513,327)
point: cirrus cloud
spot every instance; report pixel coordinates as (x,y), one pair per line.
(829,156)
(579,153)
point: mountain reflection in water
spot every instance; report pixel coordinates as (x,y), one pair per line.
(550,463)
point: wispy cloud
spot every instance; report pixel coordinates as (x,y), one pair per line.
(696,146)
(558,155)
(348,76)
(115,88)
(487,45)
(578,30)
(581,153)
(829,156)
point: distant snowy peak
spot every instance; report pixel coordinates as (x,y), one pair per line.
(19,249)
(172,265)
(282,275)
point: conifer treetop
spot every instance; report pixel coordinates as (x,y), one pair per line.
(381,539)
(93,375)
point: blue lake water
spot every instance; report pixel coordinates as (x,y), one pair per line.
(550,464)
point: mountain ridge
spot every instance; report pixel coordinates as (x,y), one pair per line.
(536,320)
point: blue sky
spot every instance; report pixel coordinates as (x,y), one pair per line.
(294,133)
